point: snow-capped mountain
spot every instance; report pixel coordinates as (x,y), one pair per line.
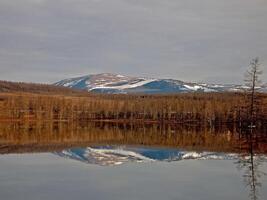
(114,83)
(113,155)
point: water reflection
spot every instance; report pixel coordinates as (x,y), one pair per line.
(47,137)
(117,155)
(249,160)
(108,144)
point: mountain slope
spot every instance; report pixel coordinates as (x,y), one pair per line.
(9,87)
(114,83)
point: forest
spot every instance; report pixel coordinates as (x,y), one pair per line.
(193,108)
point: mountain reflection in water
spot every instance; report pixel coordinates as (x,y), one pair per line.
(112,155)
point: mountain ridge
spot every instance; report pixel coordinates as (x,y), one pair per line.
(116,83)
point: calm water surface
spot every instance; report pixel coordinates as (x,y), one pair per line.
(98,161)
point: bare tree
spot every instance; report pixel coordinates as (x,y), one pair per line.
(253,83)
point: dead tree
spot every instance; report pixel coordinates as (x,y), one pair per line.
(252,83)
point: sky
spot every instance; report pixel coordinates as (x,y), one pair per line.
(194,40)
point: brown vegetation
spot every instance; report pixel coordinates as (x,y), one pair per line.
(209,108)
(34,137)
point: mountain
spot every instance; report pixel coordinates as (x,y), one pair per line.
(117,155)
(115,83)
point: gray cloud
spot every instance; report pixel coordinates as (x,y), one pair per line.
(208,40)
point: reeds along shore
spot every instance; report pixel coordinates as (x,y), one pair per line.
(210,108)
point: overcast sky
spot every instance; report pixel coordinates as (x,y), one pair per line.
(192,40)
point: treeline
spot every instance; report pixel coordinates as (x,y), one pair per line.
(210,108)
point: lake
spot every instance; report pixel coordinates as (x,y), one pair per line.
(131,161)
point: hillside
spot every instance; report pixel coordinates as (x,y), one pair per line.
(11,87)
(115,83)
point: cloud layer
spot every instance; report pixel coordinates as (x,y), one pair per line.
(207,40)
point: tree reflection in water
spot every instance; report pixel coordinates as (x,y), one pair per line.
(251,158)
(48,137)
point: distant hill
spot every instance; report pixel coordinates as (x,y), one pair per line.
(115,83)
(7,86)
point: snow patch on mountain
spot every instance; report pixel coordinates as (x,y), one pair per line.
(123,85)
